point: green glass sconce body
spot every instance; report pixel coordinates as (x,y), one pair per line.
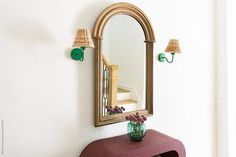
(78,53)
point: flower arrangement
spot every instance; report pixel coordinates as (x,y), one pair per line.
(136,127)
(136,118)
(115,110)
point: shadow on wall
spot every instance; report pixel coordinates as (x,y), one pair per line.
(86,18)
(85,75)
(85,99)
(27,31)
(88,15)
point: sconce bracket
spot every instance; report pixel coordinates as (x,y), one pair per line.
(162,57)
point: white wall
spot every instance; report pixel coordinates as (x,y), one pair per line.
(225,78)
(47,99)
(231,75)
(221,80)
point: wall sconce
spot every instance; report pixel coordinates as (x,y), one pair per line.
(172,47)
(82,40)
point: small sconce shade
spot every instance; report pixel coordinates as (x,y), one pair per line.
(172,47)
(82,40)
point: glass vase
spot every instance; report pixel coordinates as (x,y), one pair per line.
(136,131)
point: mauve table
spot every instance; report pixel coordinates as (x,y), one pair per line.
(153,144)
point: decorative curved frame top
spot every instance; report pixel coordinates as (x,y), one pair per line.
(127,9)
(138,14)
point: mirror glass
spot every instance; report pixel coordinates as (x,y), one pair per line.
(124,66)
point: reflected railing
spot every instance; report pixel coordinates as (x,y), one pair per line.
(110,82)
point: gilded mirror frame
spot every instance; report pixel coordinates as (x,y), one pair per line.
(142,19)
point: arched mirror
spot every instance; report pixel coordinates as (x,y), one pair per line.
(123,39)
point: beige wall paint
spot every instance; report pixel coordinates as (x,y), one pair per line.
(47,98)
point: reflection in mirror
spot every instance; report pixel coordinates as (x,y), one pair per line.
(124,66)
